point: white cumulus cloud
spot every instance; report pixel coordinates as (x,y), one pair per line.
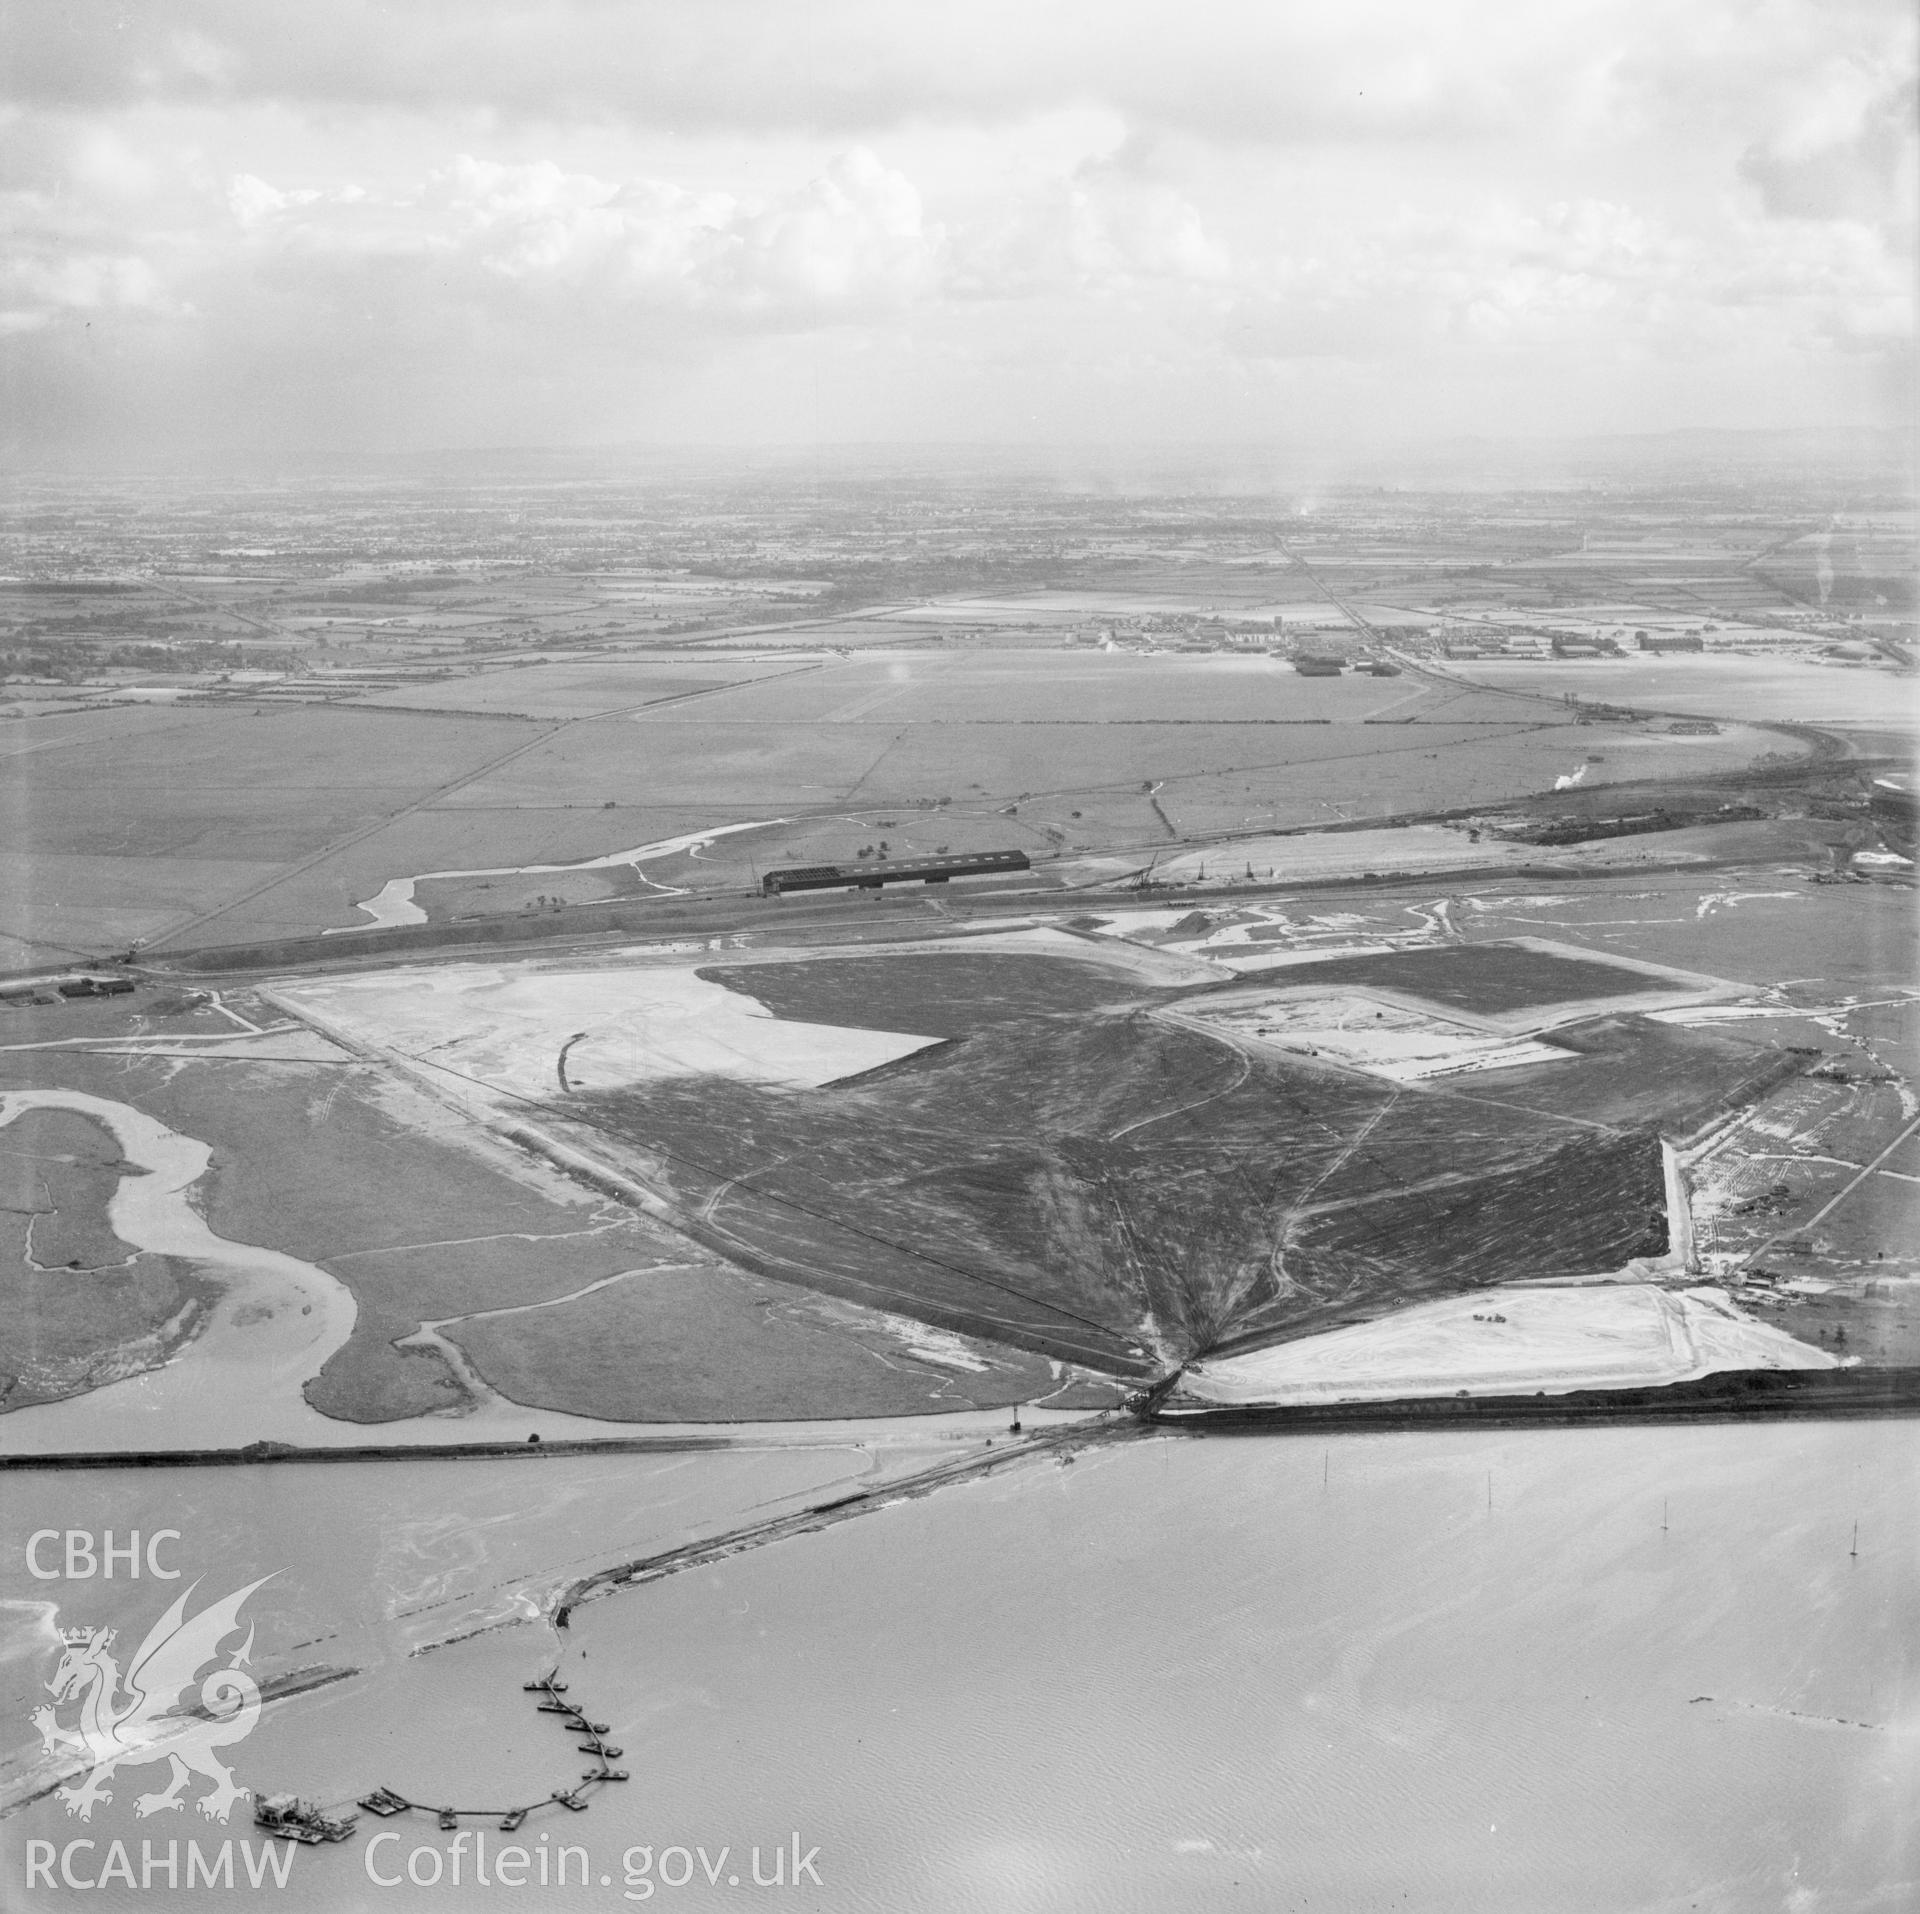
(850,241)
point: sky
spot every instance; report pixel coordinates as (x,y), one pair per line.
(324,229)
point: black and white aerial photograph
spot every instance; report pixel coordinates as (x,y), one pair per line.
(959,956)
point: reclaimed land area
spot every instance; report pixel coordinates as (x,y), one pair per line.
(1067,1185)
(1110,1187)
(934,994)
(1488,980)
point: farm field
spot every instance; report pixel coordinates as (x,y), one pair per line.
(59,906)
(1216,776)
(573,690)
(1054,687)
(125,830)
(280,819)
(215,785)
(1052,790)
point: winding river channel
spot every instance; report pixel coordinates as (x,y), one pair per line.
(278,1321)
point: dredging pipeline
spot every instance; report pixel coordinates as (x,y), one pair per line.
(1734,1395)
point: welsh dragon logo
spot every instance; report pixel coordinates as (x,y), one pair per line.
(146,1715)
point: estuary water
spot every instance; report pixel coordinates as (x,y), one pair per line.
(1440,1672)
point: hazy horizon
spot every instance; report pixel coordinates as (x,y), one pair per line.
(1852,468)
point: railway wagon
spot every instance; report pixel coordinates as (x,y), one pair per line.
(905,870)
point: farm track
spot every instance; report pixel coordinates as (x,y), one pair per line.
(1863,1173)
(1241,1056)
(1298,1207)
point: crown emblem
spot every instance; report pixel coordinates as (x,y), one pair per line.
(171,1709)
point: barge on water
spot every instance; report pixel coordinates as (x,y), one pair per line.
(293,1819)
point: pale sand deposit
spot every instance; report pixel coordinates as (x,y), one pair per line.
(1288,858)
(393,903)
(1253,935)
(1552,1341)
(1417,847)
(1247,958)
(496,1031)
(1364,1032)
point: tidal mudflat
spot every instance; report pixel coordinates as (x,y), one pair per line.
(1177,1673)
